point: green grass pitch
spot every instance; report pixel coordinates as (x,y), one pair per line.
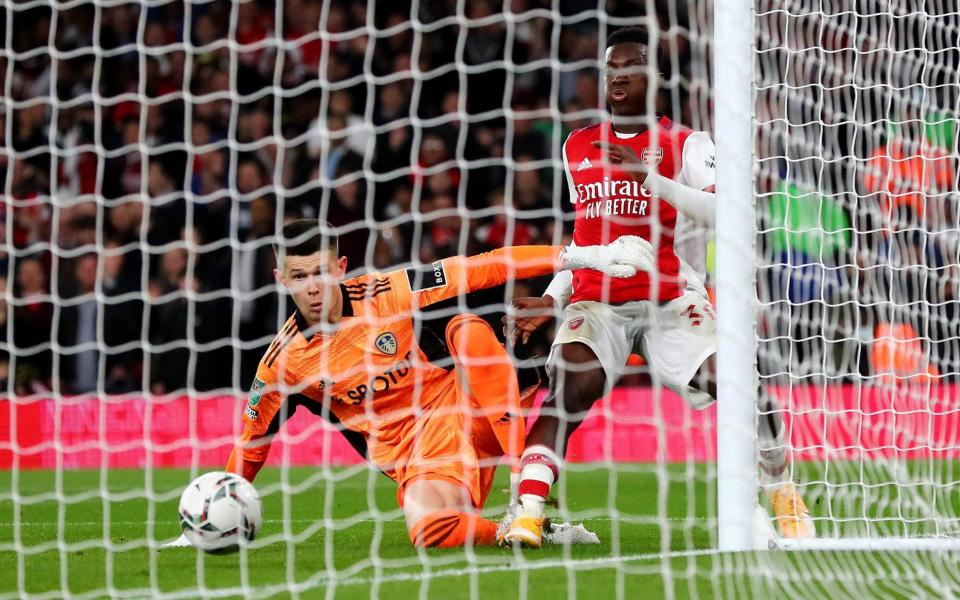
(338,533)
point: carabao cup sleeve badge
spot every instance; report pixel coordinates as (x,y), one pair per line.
(256,390)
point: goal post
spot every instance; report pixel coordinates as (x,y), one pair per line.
(736,277)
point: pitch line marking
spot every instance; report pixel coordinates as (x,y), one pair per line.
(513,566)
(397,519)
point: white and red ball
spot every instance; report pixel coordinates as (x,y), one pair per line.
(220,511)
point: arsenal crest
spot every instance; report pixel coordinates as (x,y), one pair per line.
(387,343)
(651,156)
(575,322)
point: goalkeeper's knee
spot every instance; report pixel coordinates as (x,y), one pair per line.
(451,528)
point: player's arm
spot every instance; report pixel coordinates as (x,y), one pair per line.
(560,289)
(461,275)
(260,421)
(698,203)
(528,314)
(464,274)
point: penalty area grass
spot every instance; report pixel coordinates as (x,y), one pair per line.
(339,531)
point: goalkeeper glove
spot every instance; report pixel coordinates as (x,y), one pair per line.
(621,258)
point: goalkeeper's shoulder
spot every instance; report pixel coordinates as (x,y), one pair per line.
(272,357)
(376,294)
(370,286)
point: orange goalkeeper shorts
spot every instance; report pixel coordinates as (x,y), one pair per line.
(453,441)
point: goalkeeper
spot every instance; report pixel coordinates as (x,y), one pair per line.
(352,353)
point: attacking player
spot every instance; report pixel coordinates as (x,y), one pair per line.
(353,353)
(628,179)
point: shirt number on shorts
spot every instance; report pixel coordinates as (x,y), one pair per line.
(696,319)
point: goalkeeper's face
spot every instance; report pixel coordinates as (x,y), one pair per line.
(625,77)
(313,282)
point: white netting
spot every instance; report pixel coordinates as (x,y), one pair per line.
(152,150)
(858,270)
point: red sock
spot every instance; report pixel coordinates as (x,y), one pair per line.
(539,469)
(450,528)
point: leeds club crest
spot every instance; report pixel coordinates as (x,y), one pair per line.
(387,343)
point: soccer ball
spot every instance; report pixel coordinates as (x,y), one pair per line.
(219,511)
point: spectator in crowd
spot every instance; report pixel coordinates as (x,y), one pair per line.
(4,355)
(532,196)
(251,176)
(258,303)
(32,326)
(358,131)
(78,329)
(346,211)
(430,170)
(168,328)
(332,150)
(123,312)
(496,233)
(527,140)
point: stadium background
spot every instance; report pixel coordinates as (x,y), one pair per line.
(185,195)
(458,153)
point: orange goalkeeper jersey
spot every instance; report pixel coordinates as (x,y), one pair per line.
(373,374)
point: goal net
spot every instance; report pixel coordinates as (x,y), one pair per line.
(152,151)
(857,260)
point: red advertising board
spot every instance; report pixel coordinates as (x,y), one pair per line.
(630,425)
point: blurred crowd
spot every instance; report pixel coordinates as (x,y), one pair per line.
(144,181)
(858,174)
(147,184)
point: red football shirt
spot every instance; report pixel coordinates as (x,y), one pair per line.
(610,204)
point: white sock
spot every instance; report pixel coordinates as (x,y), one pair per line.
(538,472)
(772,458)
(531,505)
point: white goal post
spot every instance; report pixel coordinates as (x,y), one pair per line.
(736,296)
(837,262)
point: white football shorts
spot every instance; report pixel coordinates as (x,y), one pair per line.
(675,339)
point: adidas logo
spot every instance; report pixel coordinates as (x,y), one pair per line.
(584,164)
(506,419)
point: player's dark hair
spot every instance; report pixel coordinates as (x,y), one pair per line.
(304,237)
(628,35)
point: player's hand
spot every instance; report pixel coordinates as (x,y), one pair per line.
(621,258)
(526,315)
(624,157)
